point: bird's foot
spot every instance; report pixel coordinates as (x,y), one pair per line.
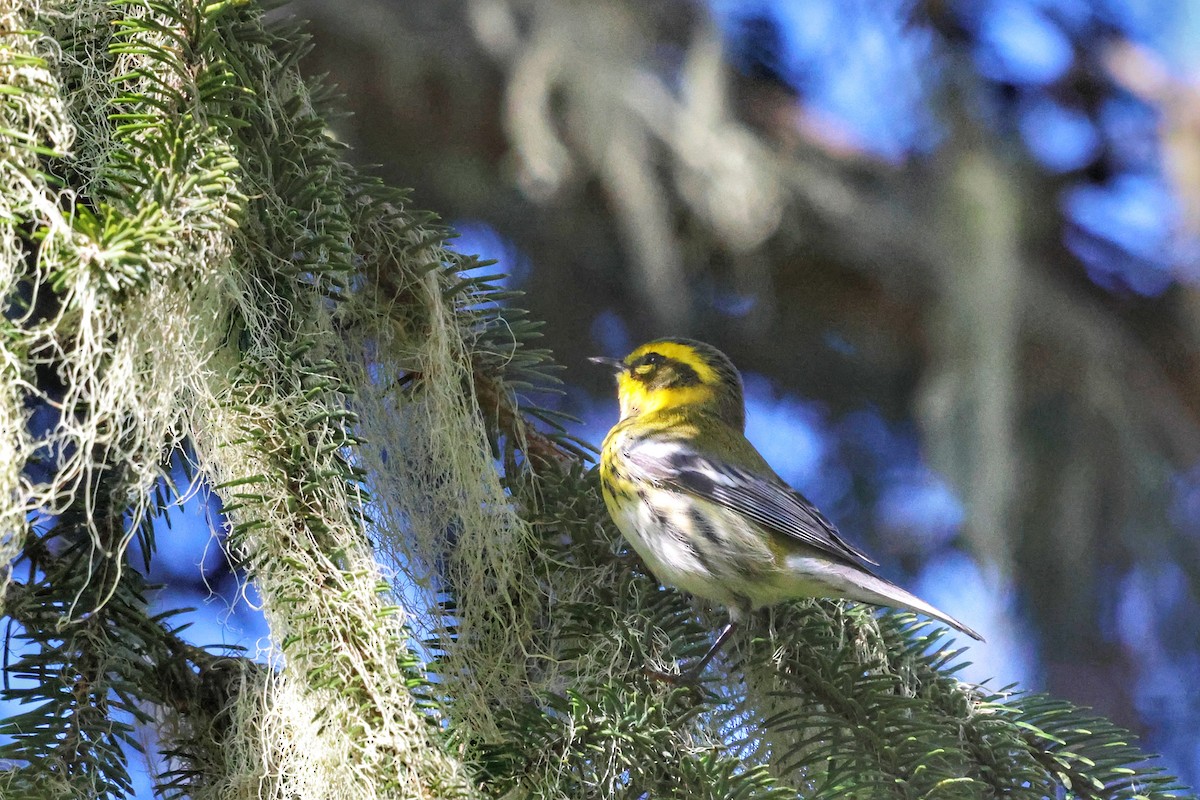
(682,678)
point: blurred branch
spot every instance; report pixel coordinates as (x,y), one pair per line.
(968,399)
(1139,71)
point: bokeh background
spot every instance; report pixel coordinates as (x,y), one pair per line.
(954,246)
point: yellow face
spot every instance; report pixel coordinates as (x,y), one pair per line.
(666,374)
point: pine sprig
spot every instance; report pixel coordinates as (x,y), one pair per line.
(87,645)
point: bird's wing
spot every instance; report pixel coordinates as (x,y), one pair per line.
(764,499)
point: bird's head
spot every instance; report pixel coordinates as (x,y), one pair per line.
(678,374)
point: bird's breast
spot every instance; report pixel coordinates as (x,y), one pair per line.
(692,544)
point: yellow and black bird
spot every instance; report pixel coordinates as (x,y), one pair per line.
(703,508)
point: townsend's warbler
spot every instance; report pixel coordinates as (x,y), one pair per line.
(705,511)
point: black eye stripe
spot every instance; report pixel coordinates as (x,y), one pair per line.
(666,372)
(685,375)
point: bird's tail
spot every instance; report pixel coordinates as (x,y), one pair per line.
(857,584)
(879,592)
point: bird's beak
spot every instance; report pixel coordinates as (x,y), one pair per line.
(615,364)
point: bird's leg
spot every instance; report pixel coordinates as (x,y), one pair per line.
(722,637)
(691,675)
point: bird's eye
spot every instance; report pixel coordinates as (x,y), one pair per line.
(647,365)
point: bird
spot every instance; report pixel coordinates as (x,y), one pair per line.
(703,508)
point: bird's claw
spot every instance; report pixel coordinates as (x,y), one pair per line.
(685,678)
